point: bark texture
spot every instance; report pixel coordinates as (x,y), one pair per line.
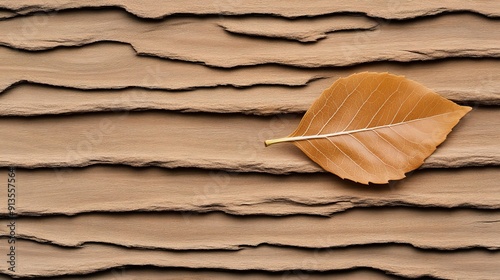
(185,189)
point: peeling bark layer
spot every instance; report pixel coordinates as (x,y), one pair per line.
(157,273)
(230,143)
(210,44)
(480,84)
(436,229)
(112,66)
(154,9)
(49,260)
(126,189)
(302,30)
(42,31)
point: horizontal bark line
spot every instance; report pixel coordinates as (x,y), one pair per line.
(235,142)
(114,66)
(306,30)
(158,273)
(291,9)
(123,189)
(479,85)
(428,39)
(117,25)
(394,259)
(429,229)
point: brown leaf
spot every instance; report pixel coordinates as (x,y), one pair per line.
(374,127)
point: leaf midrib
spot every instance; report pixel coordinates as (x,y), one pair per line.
(334,134)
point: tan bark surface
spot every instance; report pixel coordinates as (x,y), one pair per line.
(129,273)
(113,65)
(49,260)
(186,189)
(302,29)
(155,9)
(123,189)
(231,142)
(210,44)
(479,85)
(437,229)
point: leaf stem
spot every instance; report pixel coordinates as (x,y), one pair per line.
(277,140)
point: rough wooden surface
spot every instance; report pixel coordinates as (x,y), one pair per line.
(128,273)
(50,260)
(158,273)
(186,188)
(125,189)
(231,143)
(379,8)
(479,85)
(117,25)
(302,30)
(437,229)
(210,44)
(112,65)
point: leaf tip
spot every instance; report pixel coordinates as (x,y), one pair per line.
(467,109)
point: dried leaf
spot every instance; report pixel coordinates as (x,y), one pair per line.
(374,127)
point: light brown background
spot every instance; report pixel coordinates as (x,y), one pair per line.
(137,130)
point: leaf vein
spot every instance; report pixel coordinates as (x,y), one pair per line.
(373,154)
(338,108)
(348,156)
